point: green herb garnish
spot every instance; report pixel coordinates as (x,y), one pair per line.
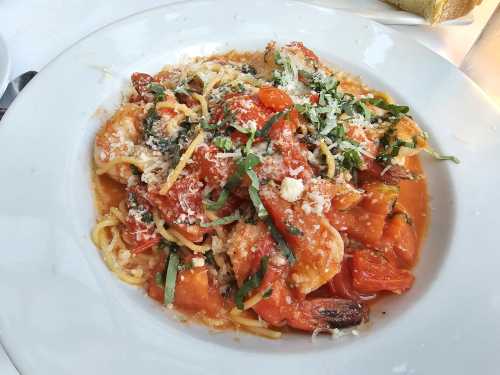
(171,278)
(280,241)
(217,205)
(259,206)
(293,230)
(395,110)
(251,283)
(436,155)
(223,143)
(158,91)
(222,221)
(243,165)
(264,131)
(147,217)
(267,293)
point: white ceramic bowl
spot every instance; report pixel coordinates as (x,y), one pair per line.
(4,66)
(64,312)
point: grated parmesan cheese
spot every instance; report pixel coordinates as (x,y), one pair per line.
(291,189)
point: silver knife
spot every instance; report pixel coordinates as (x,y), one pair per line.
(13,89)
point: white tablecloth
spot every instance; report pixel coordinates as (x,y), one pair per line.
(36,31)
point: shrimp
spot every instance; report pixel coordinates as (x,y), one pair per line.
(117,138)
(316,244)
(247,244)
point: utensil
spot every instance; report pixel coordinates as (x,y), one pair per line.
(13,89)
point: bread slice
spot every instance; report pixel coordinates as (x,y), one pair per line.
(436,11)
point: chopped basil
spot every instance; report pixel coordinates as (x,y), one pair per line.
(222,221)
(243,165)
(287,73)
(171,278)
(217,205)
(436,155)
(224,143)
(147,217)
(293,230)
(135,171)
(391,146)
(280,241)
(259,206)
(228,117)
(364,110)
(264,131)
(248,145)
(351,159)
(253,282)
(254,179)
(158,91)
(394,109)
(267,293)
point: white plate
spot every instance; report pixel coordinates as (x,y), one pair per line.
(385,13)
(4,66)
(63,312)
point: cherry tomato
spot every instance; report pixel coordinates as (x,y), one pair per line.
(274,98)
(359,224)
(341,284)
(371,273)
(194,292)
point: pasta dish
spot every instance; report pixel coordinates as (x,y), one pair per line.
(261,191)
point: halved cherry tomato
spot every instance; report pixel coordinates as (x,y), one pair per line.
(156,292)
(359,223)
(194,292)
(371,273)
(401,236)
(274,98)
(341,284)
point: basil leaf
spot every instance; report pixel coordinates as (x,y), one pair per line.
(217,205)
(243,165)
(254,179)
(223,143)
(259,206)
(253,282)
(394,109)
(436,155)
(248,145)
(264,131)
(280,241)
(171,279)
(267,293)
(147,217)
(222,221)
(293,230)
(158,91)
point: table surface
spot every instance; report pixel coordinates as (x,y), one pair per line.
(36,31)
